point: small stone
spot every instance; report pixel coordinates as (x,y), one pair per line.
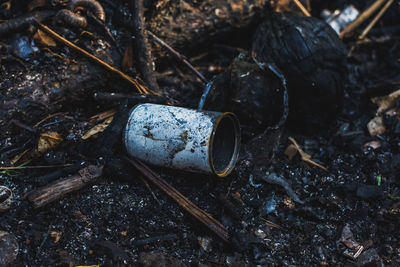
(8,248)
(6,198)
(268,207)
(260,234)
(205,243)
(289,202)
(369,258)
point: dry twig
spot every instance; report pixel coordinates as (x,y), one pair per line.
(48,117)
(178,56)
(363,17)
(34,167)
(59,188)
(141,88)
(142,52)
(376,19)
(304,156)
(302,8)
(271,224)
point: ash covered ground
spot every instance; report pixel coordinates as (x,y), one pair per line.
(118,222)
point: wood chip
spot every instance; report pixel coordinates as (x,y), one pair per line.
(376,126)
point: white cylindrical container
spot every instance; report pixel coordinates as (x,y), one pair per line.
(182,138)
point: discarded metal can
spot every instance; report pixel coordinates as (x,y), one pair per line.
(256,92)
(182,138)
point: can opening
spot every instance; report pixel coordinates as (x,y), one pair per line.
(225,145)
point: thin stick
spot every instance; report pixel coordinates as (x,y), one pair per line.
(363,17)
(178,55)
(304,156)
(141,51)
(302,8)
(272,224)
(376,19)
(308,5)
(185,203)
(149,188)
(23,126)
(141,88)
(104,115)
(34,167)
(48,117)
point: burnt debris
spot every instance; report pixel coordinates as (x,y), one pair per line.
(323,193)
(312,58)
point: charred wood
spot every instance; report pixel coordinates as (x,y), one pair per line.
(56,190)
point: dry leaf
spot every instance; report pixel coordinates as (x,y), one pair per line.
(304,156)
(43,39)
(56,236)
(376,126)
(80,214)
(385,102)
(98,128)
(347,238)
(288,202)
(48,141)
(291,151)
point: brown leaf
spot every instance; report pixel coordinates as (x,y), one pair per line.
(291,151)
(48,141)
(43,39)
(347,238)
(385,102)
(98,128)
(56,236)
(376,126)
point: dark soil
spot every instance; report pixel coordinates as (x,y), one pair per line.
(111,223)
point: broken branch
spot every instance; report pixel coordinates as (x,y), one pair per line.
(141,88)
(363,17)
(141,51)
(376,19)
(304,156)
(59,188)
(178,56)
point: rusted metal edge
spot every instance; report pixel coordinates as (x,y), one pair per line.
(182,138)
